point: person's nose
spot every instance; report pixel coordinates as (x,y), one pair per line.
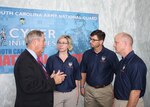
(90,41)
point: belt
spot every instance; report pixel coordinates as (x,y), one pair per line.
(100,86)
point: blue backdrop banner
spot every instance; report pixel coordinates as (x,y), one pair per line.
(15,23)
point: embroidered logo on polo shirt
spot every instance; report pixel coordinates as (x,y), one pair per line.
(70,64)
(123,68)
(103,59)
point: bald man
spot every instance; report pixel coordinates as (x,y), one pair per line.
(130,81)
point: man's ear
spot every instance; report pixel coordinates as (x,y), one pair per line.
(101,42)
(34,42)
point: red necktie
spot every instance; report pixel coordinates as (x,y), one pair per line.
(44,70)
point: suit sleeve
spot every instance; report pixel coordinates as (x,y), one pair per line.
(31,79)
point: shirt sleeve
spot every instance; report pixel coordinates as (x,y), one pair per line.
(49,65)
(77,70)
(115,63)
(138,76)
(83,64)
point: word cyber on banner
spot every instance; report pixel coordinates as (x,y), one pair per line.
(15,23)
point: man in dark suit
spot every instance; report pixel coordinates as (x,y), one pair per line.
(34,86)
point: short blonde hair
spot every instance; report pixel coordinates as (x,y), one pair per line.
(69,40)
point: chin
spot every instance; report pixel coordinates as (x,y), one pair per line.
(117,52)
(61,50)
(40,53)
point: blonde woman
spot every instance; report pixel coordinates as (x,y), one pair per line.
(66,93)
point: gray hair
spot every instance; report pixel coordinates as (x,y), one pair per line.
(34,34)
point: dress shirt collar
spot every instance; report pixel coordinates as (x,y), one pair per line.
(32,53)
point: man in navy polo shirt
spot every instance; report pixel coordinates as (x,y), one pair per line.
(130,81)
(98,66)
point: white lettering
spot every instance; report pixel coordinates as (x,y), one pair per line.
(51,33)
(12,32)
(24,32)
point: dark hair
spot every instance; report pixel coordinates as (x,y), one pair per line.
(100,34)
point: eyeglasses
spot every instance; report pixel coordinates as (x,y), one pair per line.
(61,43)
(93,40)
